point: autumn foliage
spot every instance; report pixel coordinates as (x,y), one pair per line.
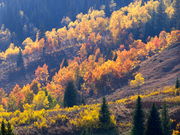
(109,49)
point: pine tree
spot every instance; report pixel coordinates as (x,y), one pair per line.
(104,114)
(176,17)
(87,131)
(177,84)
(52,101)
(70,95)
(166,121)
(9,129)
(83,102)
(106,125)
(3,128)
(154,123)
(65,64)
(138,120)
(161,17)
(20,62)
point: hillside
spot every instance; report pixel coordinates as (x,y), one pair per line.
(70,121)
(9,78)
(89,67)
(159,70)
(84,41)
(163,67)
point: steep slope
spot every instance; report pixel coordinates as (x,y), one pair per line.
(159,70)
(162,69)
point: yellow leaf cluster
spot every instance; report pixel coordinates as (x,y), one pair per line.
(41,100)
(12,50)
(139,80)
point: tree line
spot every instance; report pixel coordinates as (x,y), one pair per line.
(29,16)
(155,124)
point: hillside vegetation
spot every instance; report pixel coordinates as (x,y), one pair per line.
(31,16)
(53,83)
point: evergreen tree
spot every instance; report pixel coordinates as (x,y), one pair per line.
(154,123)
(9,129)
(176,17)
(166,121)
(3,128)
(106,125)
(52,101)
(20,62)
(177,84)
(138,119)
(70,95)
(161,17)
(78,80)
(83,102)
(104,114)
(87,131)
(65,63)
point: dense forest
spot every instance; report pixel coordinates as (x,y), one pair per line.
(58,59)
(29,16)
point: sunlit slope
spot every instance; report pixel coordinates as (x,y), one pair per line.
(159,70)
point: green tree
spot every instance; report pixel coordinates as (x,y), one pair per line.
(9,129)
(3,128)
(177,86)
(154,123)
(41,100)
(20,62)
(70,95)
(107,127)
(83,101)
(78,81)
(104,114)
(161,17)
(52,101)
(87,131)
(138,119)
(166,125)
(176,17)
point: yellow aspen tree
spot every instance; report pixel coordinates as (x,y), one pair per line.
(138,81)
